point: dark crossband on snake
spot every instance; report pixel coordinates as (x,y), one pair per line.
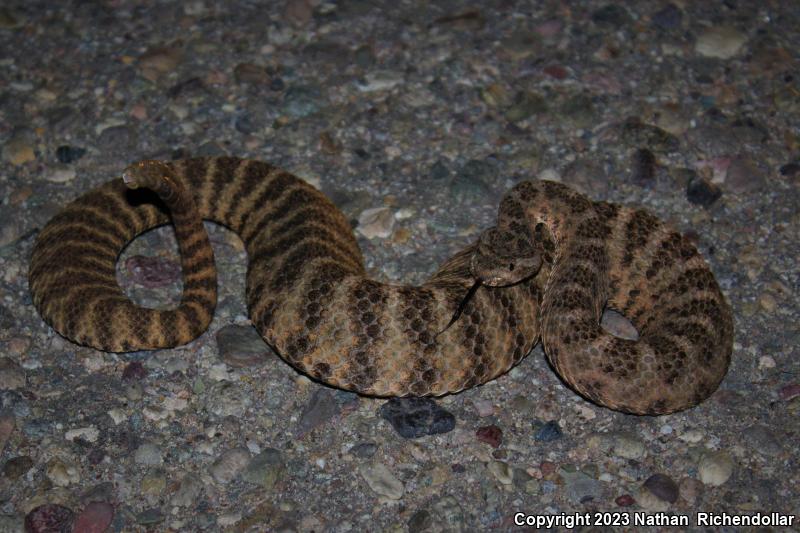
(546,271)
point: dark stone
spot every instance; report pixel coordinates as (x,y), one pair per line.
(364,450)
(438,171)
(662,487)
(242,346)
(670,16)
(643,166)
(491,435)
(49,518)
(17,466)
(69,154)
(790,169)
(320,408)
(416,417)
(626,500)
(702,192)
(420,521)
(611,15)
(549,432)
(134,371)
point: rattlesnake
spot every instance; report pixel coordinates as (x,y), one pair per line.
(548,269)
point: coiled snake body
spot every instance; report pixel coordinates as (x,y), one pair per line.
(547,270)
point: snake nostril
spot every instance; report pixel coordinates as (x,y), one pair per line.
(511,267)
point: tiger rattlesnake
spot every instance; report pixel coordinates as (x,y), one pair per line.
(548,269)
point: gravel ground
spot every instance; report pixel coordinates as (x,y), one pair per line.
(414,117)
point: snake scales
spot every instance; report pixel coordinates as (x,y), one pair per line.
(547,270)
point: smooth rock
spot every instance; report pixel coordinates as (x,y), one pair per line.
(49,518)
(491,435)
(663,487)
(242,346)
(628,446)
(188,491)
(721,42)
(376,222)
(416,417)
(265,469)
(18,151)
(95,518)
(229,464)
(548,432)
(381,480)
(581,488)
(148,454)
(321,408)
(715,468)
(501,471)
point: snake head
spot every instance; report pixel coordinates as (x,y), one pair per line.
(503,258)
(148,174)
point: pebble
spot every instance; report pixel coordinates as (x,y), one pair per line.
(49,518)
(153,483)
(721,42)
(17,467)
(715,468)
(625,500)
(548,432)
(95,518)
(381,480)
(668,17)
(689,489)
(189,490)
(153,271)
(663,487)
(417,417)
(364,450)
(10,227)
(69,154)
(744,176)
(702,192)
(265,469)
(242,346)
(229,464)
(484,407)
(526,104)
(470,183)
(586,175)
(766,362)
(637,134)
(224,398)
(760,438)
(502,471)
(159,61)
(298,12)
(580,488)
(61,175)
(651,502)
(251,73)
(18,151)
(376,222)
(61,474)
(492,435)
(628,446)
(787,393)
(148,454)
(7,424)
(12,376)
(321,408)
(301,102)
(618,325)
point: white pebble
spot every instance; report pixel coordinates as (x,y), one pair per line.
(715,468)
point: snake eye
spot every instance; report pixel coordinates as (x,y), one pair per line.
(511,267)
